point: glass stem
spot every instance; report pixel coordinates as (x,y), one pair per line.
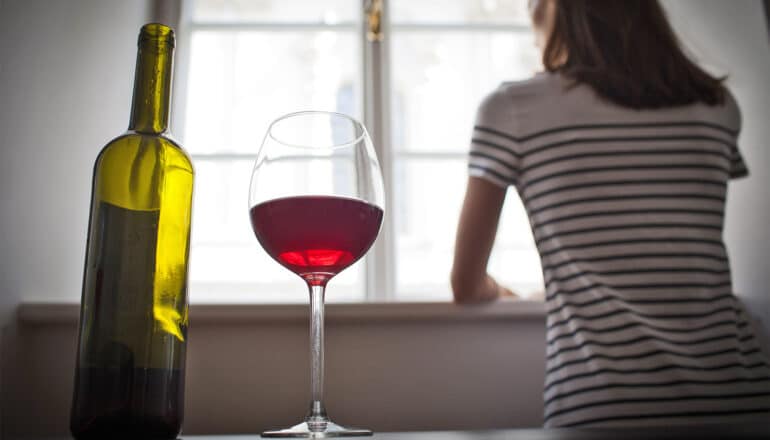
(316,418)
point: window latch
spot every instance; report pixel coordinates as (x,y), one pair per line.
(374,20)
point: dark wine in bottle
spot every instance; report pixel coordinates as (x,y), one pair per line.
(129,379)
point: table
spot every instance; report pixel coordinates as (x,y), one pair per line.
(722,432)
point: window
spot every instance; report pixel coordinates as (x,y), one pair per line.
(245,62)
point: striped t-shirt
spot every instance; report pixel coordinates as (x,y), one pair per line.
(627,209)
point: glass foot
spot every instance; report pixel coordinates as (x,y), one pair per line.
(329,430)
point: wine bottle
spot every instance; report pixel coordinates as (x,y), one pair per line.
(129,380)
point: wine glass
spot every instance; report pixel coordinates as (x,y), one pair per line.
(316,202)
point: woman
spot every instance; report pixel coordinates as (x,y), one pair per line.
(621,152)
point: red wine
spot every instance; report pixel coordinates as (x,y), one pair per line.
(316,237)
(128,403)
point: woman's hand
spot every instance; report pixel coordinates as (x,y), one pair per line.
(489,290)
(508,293)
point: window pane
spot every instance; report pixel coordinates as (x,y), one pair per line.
(293,11)
(515,262)
(427,204)
(240,81)
(439,78)
(227,262)
(459,11)
(241,78)
(430,193)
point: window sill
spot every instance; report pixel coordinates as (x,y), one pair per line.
(503,310)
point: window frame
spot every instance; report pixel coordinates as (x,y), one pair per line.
(379,269)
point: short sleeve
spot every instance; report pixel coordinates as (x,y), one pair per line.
(493,152)
(738,166)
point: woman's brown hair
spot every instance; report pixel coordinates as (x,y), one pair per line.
(627,52)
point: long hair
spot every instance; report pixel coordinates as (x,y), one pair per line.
(627,52)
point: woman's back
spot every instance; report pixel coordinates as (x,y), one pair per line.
(626,207)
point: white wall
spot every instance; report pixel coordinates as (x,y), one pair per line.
(731,37)
(66,77)
(66,72)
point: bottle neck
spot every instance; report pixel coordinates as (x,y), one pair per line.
(152,86)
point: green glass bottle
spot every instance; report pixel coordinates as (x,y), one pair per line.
(129,380)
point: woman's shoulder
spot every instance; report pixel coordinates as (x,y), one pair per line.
(512,97)
(517,105)
(726,114)
(537,87)
(546,100)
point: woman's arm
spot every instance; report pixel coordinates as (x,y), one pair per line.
(476,232)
